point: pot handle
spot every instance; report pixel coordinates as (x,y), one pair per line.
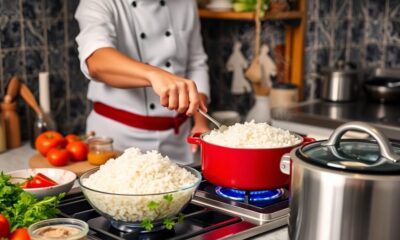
(308,140)
(194,138)
(284,164)
(384,145)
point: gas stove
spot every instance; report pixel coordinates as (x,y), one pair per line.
(208,216)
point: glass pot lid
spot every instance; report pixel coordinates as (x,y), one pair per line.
(375,156)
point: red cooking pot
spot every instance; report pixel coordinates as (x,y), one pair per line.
(243,168)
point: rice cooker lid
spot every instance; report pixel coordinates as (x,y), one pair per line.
(376,156)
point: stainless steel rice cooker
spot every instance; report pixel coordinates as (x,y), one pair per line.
(345,188)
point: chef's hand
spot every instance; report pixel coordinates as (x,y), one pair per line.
(176,93)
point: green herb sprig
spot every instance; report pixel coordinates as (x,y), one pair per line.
(168,222)
(22,208)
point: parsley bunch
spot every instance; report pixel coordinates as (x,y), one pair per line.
(168,222)
(22,208)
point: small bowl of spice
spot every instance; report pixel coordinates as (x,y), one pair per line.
(59,228)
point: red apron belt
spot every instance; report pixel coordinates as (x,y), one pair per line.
(140,121)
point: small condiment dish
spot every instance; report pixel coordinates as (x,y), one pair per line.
(59,229)
(64,179)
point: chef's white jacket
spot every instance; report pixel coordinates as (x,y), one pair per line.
(163,33)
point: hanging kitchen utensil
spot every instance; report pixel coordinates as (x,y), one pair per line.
(12,89)
(40,125)
(253,73)
(345,188)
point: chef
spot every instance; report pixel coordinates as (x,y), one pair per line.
(148,72)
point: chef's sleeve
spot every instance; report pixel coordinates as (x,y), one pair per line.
(197,69)
(97,29)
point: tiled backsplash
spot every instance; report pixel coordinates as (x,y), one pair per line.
(366,32)
(39,36)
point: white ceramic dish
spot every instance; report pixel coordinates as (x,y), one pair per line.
(64,178)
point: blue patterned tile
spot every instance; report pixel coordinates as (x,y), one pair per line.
(10,35)
(373,56)
(322,58)
(325,32)
(12,64)
(31,10)
(355,55)
(55,32)
(56,60)
(58,90)
(339,54)
(34,61)
(393,31)
(394,9)
(73,60)
(310,34)
(311,9)
(78,113)
(358,8)
(310,62)
(342,8)
(376,9)
(357,31)
(392,56)
(32,82)
(73,31)
(325,8)
(78,83)
(54,8)
(72,6)
(341,33)
(9,8)
(375,30)
(34,33)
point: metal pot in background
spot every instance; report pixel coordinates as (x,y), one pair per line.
(383,85)
(345,188)
(340,84)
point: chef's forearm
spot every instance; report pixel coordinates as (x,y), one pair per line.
(118,70)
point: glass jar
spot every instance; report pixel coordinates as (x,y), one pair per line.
(100,150)
(59,229)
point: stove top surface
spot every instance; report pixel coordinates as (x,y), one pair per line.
(208,216)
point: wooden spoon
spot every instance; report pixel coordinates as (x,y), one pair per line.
(12,89)
(29,98)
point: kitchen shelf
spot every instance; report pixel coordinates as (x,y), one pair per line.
(249,16)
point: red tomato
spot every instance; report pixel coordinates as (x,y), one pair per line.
(78,151)
(20,234)
(58,157)
(48,140)
(4,227)
(41,180)
(72,138)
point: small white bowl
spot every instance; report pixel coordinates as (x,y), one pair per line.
(64,178)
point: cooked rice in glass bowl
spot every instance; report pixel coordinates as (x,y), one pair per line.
(136,189)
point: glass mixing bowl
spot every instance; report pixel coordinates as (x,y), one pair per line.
(127,212)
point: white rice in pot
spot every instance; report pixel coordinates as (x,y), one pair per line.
(135,172)
(252,135)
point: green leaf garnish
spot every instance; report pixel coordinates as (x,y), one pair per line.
(181,217)
(22,208)
(168,223)
(147,224)
(152,205)
(168,198)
